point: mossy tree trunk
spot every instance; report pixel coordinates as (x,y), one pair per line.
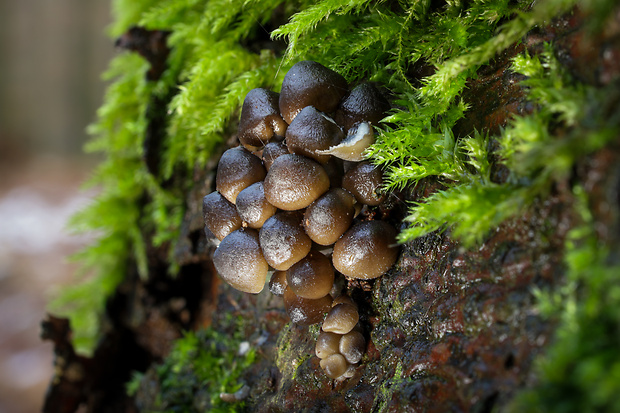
(504,301)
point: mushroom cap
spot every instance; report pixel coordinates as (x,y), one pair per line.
(312,131)
(365,103)
(283,240)
(366,251)
(238,168)
(335,365)
(240,262)
(312,276)
(364,181)
(309,83)
(277,283)
(352,346)
(294,182)
(327,344)
(260,119)
(341,319)
(220,216)
(327,218)
(271,151)
(305,311)
(253,207)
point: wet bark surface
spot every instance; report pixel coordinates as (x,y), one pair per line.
(448,328)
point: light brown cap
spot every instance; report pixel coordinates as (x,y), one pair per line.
(341,319)
(367,250)
(283,240)
(335,366)
(327,218)
(352,346)
(294,182)
(327,344)
(312,276)
(240,262)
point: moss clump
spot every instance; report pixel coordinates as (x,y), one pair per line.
(581,369)
(201,366)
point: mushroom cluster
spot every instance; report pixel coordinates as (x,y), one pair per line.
(340,344)
(288,202)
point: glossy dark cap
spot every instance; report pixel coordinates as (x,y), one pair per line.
(309,83)
(237,169)
(364,181)
(220,215)
(260,119)
(365,103)
(253,207)
(271,151)
(313,131)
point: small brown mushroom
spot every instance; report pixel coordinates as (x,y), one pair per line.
(341,319)
(260,119)
(309,83)
(283,240)
(327,344)
(352,346)
(335,366)
(277,283)
(220,216)
(364,181)
(294,182)
(253,207)
(271,151)
(312,131)
(305,311)
(365,103)
(240,262)
(327,218)
(312,276)
(367,250)
(238,168)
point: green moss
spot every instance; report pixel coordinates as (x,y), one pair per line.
(472,204)
(387,388)
(200,367)
(581,369)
